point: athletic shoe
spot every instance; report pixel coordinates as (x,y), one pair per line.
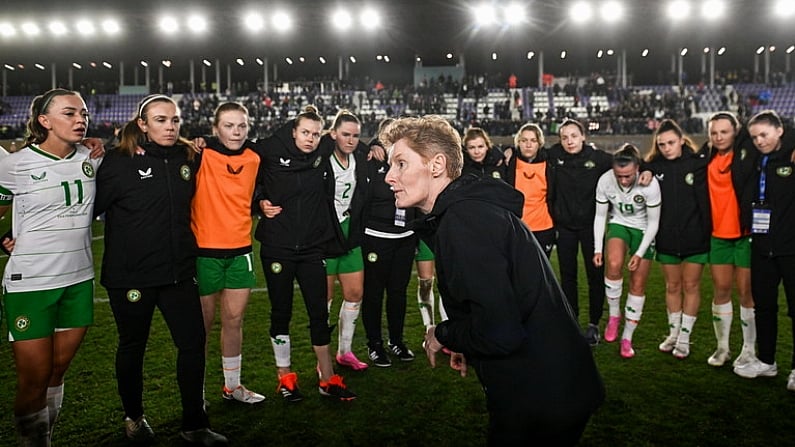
(611,330)
(746,356)
(400,351)
(336,389)
(349,359)
(626,349)
(138,430)
(719,357)
(756,368)
(592,334)
(205,437)
(791,381)
(668,344)
(681,350)
(242,394)
(378,356)
(288,387)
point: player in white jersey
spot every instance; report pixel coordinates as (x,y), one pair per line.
(634,216)
(348,166)
(48,281)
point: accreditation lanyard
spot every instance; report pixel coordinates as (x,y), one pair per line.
(760,221)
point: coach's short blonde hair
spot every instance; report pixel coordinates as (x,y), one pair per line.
(428,136)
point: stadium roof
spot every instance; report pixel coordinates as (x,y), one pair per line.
(408,29)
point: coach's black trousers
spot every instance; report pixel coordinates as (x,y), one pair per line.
(181,309)
(766,275)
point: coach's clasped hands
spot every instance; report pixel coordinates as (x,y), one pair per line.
(432,346)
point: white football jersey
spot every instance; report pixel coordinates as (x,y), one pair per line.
(52,202)
(344,184)
(627,205)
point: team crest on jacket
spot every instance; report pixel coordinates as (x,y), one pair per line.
(496,174)
(22,323)
(372,257)
(184,172)
(784,171)
(589,164)
(317,161)
(133,295)
(689,178)
(88,169)
(276,267)
(638,199)
(743,154)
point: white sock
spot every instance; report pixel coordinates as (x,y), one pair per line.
(442,311)
(688,321)
(674,323)
(632,313)
(722,315)
(231,367)
(33,429)
(613,291)
(349,312)
(425,299)
(281,350)
(54,402)
(748,321)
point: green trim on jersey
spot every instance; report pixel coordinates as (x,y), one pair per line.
(41,151)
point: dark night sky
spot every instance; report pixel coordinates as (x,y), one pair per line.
(426,28)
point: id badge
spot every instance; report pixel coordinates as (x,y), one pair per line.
(400,217)
(760,220)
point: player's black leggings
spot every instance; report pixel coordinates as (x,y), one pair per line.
(568,241)
(311,276)
(387,266)
(181,309)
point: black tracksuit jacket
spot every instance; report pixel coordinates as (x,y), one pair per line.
(572,184)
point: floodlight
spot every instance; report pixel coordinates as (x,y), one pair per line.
(107,65)
(282,21)
(386,59)
(370,19)
(678,10)
(31,29)
(85,28)
(39,66)
(645,52)
(341,20)
(144,64)
(379,57)
(197,23)
(771,48)
(58,28)
(301,59)
(352,59)
(494,56)
(254,21)
(713,9)
(9,67)
(288,60)
(721,51)
(580,12)
(706,50)
(448,56)
(207,63)
(322,59)
(610,52)
(599,54)
(111,26)
(563,54)
(514,13)
(484,14)
(93,64)
(683,52)
(612,11)
(7,30)
(530,54)
(790,49)
(77,66)
(260,61)
(784,9)
(168,25)
(760,50)
(240,62)
(166,63)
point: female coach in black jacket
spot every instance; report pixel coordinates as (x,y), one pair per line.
(508,317)
(145,187)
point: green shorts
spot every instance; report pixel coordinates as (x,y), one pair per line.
(37,314)
(700,258)
(349,262)
(631,236)
(735,252)
(216,274)
(424,252)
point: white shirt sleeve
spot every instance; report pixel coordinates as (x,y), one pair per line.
(599,224)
